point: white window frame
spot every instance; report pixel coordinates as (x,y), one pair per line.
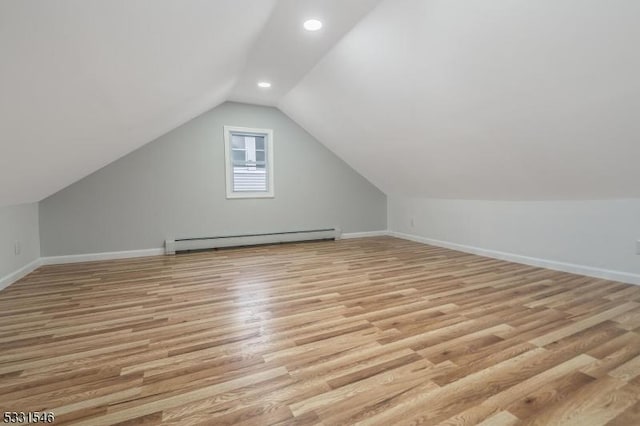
(268,134)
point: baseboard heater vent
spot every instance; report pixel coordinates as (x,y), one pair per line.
(184,244)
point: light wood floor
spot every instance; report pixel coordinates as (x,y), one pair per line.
(378,330)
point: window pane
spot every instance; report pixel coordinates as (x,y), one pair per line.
(249,172)
(237,141)
(238,157)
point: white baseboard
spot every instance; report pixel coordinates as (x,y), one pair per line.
(91,257)
(589,271)
(349,235)
(608,274)
(11,278)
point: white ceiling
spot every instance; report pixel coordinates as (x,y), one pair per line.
(492,99)
(285,52)
(84,82)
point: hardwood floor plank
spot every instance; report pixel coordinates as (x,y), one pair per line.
(594,404)
(503,418)
(494,403)
(584,324)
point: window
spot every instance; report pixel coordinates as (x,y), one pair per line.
(249,162)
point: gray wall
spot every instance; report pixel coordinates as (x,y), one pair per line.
(600,233)
(18,224)
(175,187)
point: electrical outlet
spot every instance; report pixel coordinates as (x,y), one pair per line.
(638,247)
(17,249)
(412,222)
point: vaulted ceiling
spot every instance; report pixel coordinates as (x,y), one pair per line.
(491,99)
(84,82)
(488,99)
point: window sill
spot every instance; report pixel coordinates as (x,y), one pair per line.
(249,195)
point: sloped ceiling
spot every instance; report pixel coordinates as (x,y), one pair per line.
(491,99)
(84,82)
(284,52)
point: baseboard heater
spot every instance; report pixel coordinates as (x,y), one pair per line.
(184,244)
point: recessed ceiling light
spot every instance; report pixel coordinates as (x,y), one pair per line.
(264,84)
(312,25)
